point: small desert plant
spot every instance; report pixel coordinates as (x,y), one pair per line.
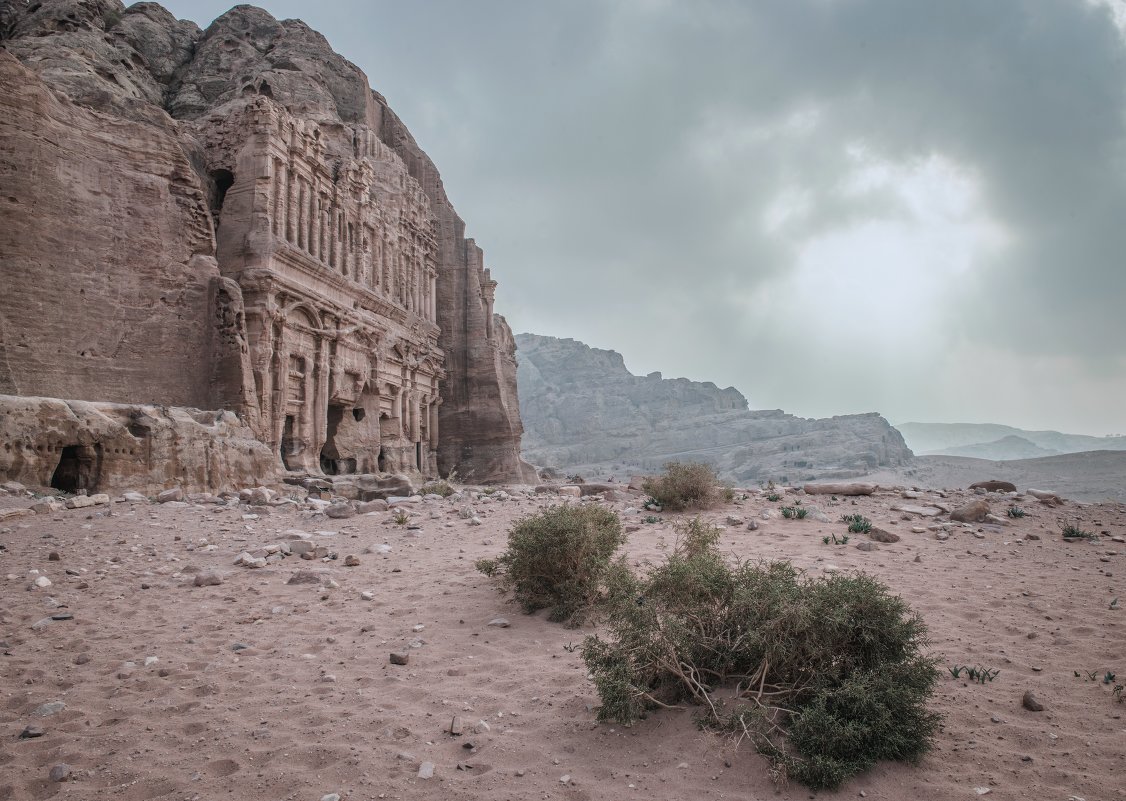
(684,485)
(558,559)
(773,497)
(857,524)
(441,487)
(650,519)
(824,676)
(401,518)
(1016,512)
(794,512)
(728,494)
(1071,531)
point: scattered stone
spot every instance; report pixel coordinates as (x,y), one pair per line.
(339,511)
(304,577)
(400,657)
(53,556)
(1032,537)
(499,623)
(455,727)
(207,579)
(921,511)
(42,582)
(174,494)
(48,709)
(994,486)
(367,595)
(973,512)
(60,772)
(331,797)
(880,535)
(351,560)
(1030,703)
(867,546)
(79,502)
(426,770)
(31,731)
(366,507)
(841,489)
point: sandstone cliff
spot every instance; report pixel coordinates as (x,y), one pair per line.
(584,411)
(233,219)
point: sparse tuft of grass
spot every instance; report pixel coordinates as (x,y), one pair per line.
(440,487)
(1016,512)
(857,524)
(1073,532)
(797,512)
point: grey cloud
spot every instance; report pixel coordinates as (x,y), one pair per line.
(574,138)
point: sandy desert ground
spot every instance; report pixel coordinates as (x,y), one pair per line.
(148,687)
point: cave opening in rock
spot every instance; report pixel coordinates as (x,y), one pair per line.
(287,441)
(222,180)
(332,464)
(77,469)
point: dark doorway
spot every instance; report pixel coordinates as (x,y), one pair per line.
(381,462)
(77,469)
(223,180)
(287,441)
(332,464)
(418,455)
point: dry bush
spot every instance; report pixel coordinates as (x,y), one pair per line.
(684,485)
(825,676)
(558,559)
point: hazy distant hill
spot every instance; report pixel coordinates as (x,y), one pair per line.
(999,442)
(583,411)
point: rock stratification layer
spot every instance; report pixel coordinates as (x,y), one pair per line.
(583,410)
(232,219)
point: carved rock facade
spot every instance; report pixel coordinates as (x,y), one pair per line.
(232,219)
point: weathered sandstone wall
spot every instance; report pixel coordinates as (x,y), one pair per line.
(232,219)
(103,447)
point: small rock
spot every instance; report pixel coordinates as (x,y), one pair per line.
(367,595)
(400,657)
(331,797)
(53,556)
(1030,703)
(48,709)
(60,772)
(983,790)
(351,560)
(339,511)
(455,728)
(867,546)
(42,582)
(30,732)
(499,622)
(207,579)
(426,770)
(174,494)
(880,535)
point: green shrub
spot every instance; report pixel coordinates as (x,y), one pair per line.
(1016,511)
(558,559)
(825,676)
(794,512)
(857,524)
(684,485)
(1074,532)
(774,497)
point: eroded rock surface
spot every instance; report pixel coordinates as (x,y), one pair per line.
(232,219)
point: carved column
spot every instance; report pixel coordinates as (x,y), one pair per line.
(315,226)
(291,207)
(277,214)
(320,411)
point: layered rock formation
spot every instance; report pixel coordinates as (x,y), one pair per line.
(232,219)
(584,411)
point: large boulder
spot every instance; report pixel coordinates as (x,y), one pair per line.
(972,512)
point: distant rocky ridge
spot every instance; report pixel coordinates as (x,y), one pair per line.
(584,411)
(999,442)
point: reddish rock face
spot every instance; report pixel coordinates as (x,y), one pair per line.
(232,219)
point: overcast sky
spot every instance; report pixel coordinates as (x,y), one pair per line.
(836,206)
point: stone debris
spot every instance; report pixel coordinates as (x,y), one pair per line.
(60,772)
(400,657)
(207,579)
(973,512)
(1030,703)
(426,770)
